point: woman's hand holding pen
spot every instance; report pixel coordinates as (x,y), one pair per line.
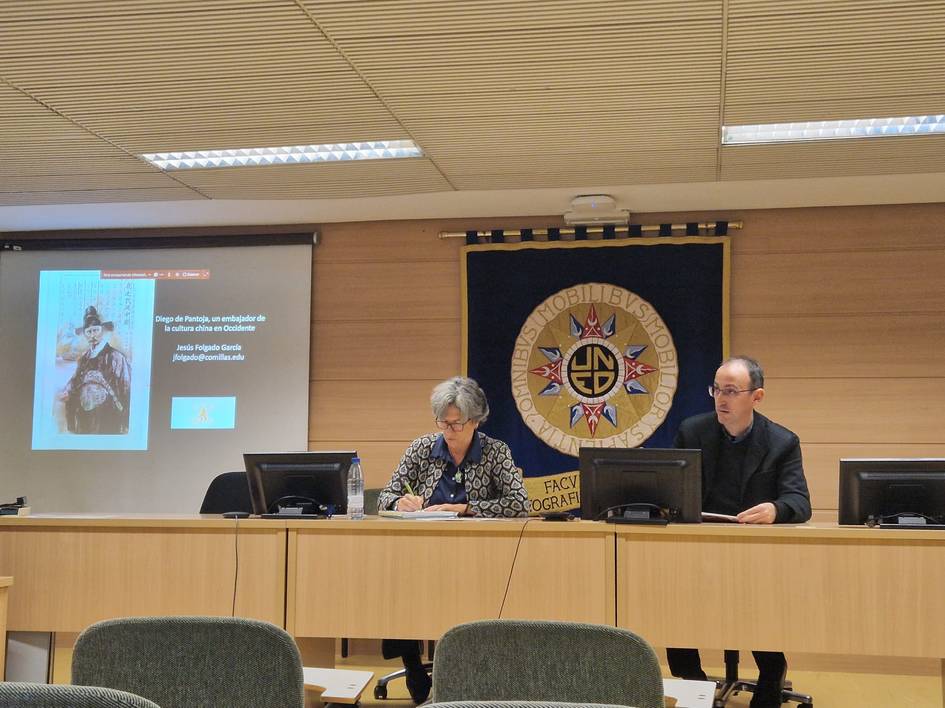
(410,502)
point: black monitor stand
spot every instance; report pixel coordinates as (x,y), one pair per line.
(906,520)
(641,514)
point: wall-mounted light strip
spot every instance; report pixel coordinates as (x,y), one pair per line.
(288,155)
(832,130)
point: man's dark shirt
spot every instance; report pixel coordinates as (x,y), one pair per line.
(772,470)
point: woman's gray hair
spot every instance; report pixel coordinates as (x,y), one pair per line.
(463,393)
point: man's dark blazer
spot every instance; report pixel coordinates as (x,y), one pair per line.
(773,468)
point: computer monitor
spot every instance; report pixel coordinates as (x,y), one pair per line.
(292,484)
(613,478)
(892,492)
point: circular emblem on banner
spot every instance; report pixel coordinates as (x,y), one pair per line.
(594,364)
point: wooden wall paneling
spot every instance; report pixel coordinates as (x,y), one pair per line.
(835,283)
(410,240)
(379,459)
(822,463)
(903,411)
(370,350)
(387,241)
(822,229)
(840,229)
(873,346)
(342,292)
(395,411)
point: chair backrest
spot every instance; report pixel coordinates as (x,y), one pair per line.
(227,492)
(370,499)
(42,695)
(186,662)
(512,660)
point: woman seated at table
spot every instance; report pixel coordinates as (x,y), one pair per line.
(459,469)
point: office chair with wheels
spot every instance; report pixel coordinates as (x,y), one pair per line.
(43,695)
(731,685)
(228,491)
(182,662)
(514,660)
(380,688)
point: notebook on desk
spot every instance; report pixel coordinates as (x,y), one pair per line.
(417,514)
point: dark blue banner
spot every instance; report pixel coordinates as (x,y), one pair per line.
(605,343)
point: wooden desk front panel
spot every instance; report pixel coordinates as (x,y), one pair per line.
(4,586)
(70,576)
(417,579)
(868,592)
(564,572)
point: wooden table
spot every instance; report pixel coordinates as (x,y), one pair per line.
(72,571)
(811,588)
(814,589)
(4,584)
(416,579)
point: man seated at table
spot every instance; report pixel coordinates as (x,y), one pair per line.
(751,469)
(459,469)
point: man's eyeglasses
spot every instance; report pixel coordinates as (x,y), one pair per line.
(455,427)
(716,392)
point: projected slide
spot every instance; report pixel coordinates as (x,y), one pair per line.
(98,333)
(132,376)
(93,362)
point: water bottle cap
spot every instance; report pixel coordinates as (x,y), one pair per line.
(355,460)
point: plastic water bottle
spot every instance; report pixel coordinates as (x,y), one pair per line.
(355,490)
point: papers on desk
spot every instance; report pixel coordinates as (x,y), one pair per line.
(337,685)
(418,514)
(689,694)
(725,518)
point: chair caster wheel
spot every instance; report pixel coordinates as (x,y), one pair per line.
(380,692)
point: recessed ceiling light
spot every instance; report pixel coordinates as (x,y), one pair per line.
(288,155)
(832,130)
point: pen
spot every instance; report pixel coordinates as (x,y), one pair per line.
(409,488)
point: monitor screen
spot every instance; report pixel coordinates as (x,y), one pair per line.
(286,478)
(667,478)
(892,491)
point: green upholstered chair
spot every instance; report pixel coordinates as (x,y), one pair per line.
(513,660)
(43,695)
(192,662)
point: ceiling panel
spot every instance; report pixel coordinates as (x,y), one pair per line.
(153,77)
(796,61)
(97,196)
(47,159)
(339,179)
(500,94)
(512,94)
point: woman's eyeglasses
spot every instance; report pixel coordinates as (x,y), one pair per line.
(455,427)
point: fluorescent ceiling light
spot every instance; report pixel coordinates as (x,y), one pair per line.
(288,155)
(832,130)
